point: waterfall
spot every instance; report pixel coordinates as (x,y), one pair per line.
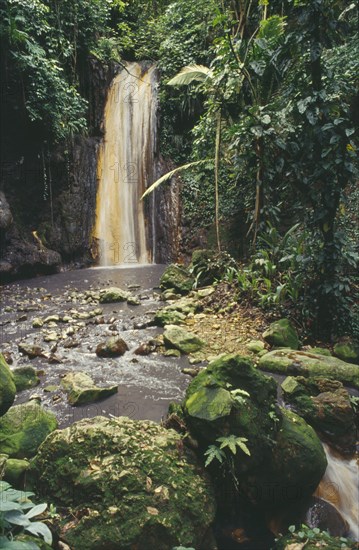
(340,487)
(126,167)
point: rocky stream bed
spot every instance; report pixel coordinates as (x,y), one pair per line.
(100,353)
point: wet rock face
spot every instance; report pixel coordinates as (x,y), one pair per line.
(130,485)
(24,255)
(325,405)
(23,428)
(7,386)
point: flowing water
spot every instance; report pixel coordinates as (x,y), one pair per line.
(126,167)
(340,487)
(146,384)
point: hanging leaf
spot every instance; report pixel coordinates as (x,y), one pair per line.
(189,74)
(169,175)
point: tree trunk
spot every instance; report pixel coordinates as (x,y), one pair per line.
(216,175)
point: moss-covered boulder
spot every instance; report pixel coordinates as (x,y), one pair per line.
(7,386)
(130,484)
(113,347)
(232,398)
(255,346)
(169,316)
(347,351)
(177,278)
(282,334)
(176,313)
(23,428)
(25,378)
(298,458)
(325,405)
(214,407)
(181,339)
(81,389)
(113,294)
(14,471)
(306,364)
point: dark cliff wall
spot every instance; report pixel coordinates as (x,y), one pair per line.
(51,191)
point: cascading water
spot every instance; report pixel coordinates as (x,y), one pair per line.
(126,167)
(340,487)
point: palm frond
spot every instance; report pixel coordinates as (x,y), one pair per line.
(189,74)
(169,175)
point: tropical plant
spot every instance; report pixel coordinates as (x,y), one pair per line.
(16,513)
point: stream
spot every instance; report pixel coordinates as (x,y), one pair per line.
(146,384)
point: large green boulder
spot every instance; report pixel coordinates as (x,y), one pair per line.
(215,407)
(309,364)
(347,351)
(81,389)
(130,484)
(23,428)
(7,386)
(25,378)
(282,334)
(294,470)
(177,278)
(181,339)
(298,458)
(113,294)
(325,405)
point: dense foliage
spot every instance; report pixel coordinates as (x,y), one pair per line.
(277,109)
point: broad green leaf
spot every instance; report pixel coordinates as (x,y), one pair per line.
(16,517)
(38,528)
(36,510)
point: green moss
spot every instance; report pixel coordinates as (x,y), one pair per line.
(14,471)
(7,386)
(136,483)
(23,428)
(181,339)
(25,377)
(81,389)
(307,364)
(177,278)
(347,351)
(282,334)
